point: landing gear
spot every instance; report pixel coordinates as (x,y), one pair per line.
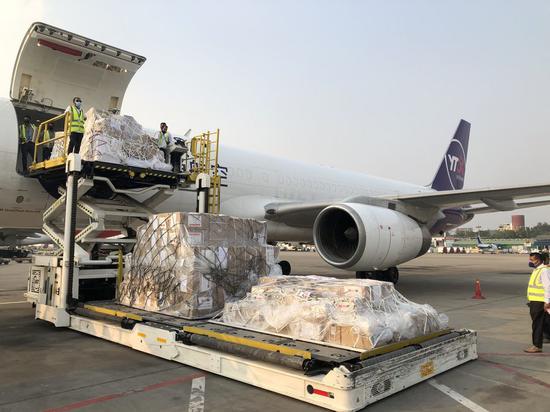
(388,275)
(285,267)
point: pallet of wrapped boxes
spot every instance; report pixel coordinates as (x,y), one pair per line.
(356,313)
(190,264)
(117,139)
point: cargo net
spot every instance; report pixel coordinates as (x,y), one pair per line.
(355,313)
(190,264)
(117,139)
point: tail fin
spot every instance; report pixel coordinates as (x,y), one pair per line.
(450,175)
(479,242)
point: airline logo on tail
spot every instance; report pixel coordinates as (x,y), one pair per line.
(451,172)
(455,163)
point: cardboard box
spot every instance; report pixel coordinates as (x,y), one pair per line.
(347,335)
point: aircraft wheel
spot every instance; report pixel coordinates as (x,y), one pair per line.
(392,274)
(363,274)
(388,275)
(285,267)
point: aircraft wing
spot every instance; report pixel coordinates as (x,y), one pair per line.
(520,205)
(303,214)
(501,199)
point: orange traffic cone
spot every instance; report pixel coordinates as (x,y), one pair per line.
(477,293)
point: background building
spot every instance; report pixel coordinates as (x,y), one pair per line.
(505,226)
(518,222)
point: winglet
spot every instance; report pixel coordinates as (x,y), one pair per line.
(451,172)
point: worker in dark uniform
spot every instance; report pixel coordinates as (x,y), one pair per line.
(76,125)
(26,141)
(538,295)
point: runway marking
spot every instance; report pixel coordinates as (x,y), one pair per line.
(105,398)
(457,396)
(196,398)
(530,355)
(485,378)
(517,373)
(13,303)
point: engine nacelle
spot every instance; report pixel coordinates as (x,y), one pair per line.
(360,237)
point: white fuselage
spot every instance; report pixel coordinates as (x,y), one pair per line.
(251,180)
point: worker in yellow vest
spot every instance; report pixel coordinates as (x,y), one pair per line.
(538,295)
(165,141)
(26,141)
(48,136)
(76,125)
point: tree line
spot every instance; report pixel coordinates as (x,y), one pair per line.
(528,232)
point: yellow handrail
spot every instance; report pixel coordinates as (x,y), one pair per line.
(39,134)
(204,149)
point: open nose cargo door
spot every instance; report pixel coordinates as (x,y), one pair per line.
(54,65)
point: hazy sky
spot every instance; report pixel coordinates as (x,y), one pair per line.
(371,86)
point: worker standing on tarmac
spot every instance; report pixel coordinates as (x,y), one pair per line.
(48,136)
(76,125)
(538,294)
(165,141)
(26,137)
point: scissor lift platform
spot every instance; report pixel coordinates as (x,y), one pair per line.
(122,176)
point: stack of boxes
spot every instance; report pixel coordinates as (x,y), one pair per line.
(356,313)
(117,139)
(191,264)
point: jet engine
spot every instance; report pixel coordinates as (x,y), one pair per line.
(360,237)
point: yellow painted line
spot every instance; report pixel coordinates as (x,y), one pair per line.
(248,342)
(400,345)
(161,340)
(112,312)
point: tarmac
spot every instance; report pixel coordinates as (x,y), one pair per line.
(49,369)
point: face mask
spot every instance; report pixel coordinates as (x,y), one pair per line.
(532,265)
(77,104)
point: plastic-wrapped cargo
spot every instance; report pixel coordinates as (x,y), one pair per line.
(191,264)
(357,313)
(113,138)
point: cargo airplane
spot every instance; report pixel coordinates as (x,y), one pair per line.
(358,222)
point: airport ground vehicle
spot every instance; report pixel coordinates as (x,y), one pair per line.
(13,253)
(27,259)
(4,261)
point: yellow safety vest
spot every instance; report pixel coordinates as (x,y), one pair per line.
(535,290)
(77,120)
(162,137)
(23,133)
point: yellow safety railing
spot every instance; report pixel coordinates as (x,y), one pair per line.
(204,149)
(39,142)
